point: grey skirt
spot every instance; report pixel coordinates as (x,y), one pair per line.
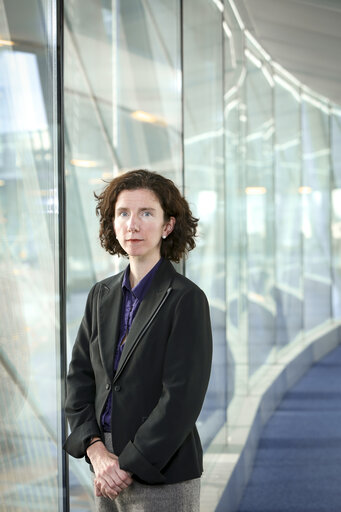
(180,497)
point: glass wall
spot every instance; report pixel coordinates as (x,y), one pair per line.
(259,204)
(289,195)
(335,125)
(235,208)
(316,213)
(203,134)
(30,400)
(184,89)
(123,108)
(179,87)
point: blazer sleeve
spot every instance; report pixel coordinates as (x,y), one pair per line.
(185,379)
(81,387)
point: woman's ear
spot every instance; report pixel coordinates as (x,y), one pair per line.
(169,226)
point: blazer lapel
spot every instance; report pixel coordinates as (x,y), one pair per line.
(149,308)
(109,313)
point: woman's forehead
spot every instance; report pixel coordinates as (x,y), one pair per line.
(141,197)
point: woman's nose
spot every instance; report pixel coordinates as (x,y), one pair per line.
(133,223)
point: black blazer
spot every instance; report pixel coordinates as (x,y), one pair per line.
(160,383)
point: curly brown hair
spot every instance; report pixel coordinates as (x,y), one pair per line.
(180,241)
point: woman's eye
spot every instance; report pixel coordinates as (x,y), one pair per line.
(146,214)
(123,214)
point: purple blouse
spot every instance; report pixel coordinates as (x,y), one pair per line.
(132,299)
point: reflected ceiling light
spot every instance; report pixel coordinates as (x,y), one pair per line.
(255,191)
(96,181)
(6,42)
(281,81)
(2,183)
(233,55)
(107,175)
(305,190)
(219,4)
(256,297)
(231,44)
(286,74)
(316,103)
(268,134)
(256,44)
(267,76)
(76,162)
(243,119)
(237,15)
(145,117)
(253,58)
(336,111)
(207,202)
(203,136)
(241,77)
(227,29)
(316,154)
(286,145)
(254,136)
(336,230)
(323,99)
(230,106)
(230,92)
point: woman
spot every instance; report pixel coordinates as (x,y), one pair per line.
(141,361)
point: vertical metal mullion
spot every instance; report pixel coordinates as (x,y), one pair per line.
(182,108)
(302,241)
(274,214)
(244,175)
(331,212)
(62,244)
(223,63)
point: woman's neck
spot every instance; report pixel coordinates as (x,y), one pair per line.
(139,269)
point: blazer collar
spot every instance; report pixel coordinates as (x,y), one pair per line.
(110,311)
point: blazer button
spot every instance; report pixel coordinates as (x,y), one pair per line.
(107,386)
(117,388)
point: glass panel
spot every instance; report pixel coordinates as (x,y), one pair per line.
(260,215)
(123,109)
(289,289)
(266,183)
(29,337)
(204,185)
(316,215)
(148,72)
(236,277)
(336,211)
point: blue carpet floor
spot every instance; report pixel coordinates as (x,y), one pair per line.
(298,462)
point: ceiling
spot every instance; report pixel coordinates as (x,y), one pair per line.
(304,36)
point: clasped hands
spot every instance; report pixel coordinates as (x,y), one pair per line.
(110,479)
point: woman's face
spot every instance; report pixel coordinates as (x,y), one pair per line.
(139,224)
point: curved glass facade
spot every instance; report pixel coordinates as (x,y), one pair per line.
(30,366)
(181,88)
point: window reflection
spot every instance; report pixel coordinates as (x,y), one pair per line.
(204,187)
(148,85)
(316,216)
(29,372)
(123,110)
